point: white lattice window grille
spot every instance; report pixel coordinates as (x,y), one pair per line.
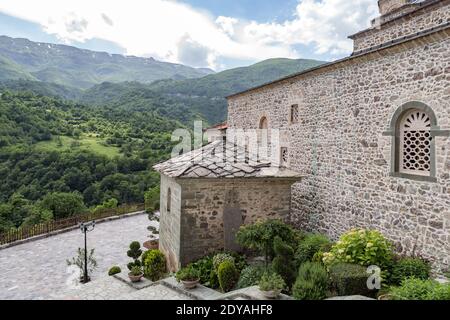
(284,158)
(294,114)
(415,143)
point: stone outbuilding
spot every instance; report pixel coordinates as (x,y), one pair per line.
(206,197)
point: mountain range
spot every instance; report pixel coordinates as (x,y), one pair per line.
(79,68)
(101,79)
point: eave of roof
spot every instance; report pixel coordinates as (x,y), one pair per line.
(359,54)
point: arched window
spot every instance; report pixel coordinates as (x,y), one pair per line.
(263,123)
(414,129)
(169,199)
(263,139)
(415,143)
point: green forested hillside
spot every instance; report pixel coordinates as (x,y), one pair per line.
(80,153)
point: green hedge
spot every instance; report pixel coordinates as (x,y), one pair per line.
(349,279)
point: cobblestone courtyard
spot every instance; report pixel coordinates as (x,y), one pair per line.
(38,269)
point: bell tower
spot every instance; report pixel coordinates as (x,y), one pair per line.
(387,6)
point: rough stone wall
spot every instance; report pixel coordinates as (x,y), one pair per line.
(205,201)
(169,229)
(418,21)
(339,145)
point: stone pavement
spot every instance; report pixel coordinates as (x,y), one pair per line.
(38,269)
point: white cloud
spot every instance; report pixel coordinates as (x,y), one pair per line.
(176,32)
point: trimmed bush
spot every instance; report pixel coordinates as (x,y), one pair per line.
(250,276)
(221,257)
(154,265)
(349,279)
(135,253)
(114,270)
(417,289)
(312,282)
(409,268)
(363,247)
(284,264)
(228,275)
(310,246)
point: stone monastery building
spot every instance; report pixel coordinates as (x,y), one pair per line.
(365,143)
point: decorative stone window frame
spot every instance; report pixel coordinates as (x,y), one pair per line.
(396,146)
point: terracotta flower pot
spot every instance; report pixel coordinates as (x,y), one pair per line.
(190,284)
(135,278)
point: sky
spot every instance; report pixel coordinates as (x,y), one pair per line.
(216,34)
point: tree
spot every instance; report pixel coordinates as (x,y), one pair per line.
(63,205)
(260,236)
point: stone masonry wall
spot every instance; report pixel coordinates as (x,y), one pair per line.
(204,201)
(339,145)
(169,228)
(421,20)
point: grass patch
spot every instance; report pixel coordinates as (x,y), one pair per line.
(92,144)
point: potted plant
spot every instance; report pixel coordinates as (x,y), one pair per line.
(189,277)
(136,274)
(271,285)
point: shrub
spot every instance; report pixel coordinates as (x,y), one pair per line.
(228,275)
(417,289)
(311,283)
(135,253)
(114,270)
(154,265)
(310,246)
(349,279)
(250,276)
(409,268)
(221,257)
(205,269)
(260,236)
(187,274)
(271,281)
(363,247)
(284,264)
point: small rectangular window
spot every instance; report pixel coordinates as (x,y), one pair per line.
(294,114)
(284,159)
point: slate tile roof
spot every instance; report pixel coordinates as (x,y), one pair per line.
(211,162)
